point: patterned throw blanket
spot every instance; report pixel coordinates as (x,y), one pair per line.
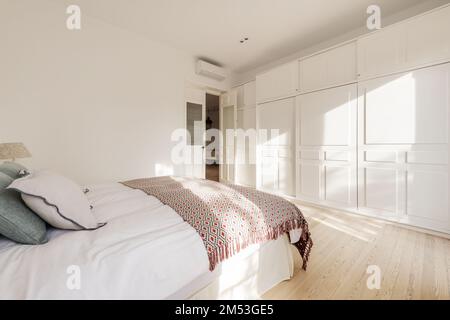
(227,217)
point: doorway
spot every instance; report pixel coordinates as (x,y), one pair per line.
(212,122)
(195,131)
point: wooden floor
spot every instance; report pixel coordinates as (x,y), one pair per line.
(212,172)
(413,265)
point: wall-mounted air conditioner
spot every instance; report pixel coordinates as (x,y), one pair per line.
(211,71)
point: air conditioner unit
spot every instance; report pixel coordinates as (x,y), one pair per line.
(211,71)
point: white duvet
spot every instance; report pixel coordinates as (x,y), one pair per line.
(146,251)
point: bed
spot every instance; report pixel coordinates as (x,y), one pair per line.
(145,251)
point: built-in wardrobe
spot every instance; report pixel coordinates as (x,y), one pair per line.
(362,126)
(238,113)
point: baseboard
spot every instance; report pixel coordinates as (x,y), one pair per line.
(364,215)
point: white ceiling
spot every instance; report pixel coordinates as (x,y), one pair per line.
(212,29)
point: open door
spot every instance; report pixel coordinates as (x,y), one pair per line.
(195,128)
(228,117)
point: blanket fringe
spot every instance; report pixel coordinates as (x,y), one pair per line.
(304,245)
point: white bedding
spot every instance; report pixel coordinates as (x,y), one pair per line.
(146,251)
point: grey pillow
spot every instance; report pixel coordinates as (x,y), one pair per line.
(57,200)
(12,169)
(17,222)
(5,181)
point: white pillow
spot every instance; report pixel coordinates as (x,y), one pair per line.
(57,200)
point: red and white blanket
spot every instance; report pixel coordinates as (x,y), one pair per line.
(227,217)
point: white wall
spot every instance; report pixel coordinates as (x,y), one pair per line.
(98,104)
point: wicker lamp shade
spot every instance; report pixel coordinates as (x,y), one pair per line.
(13,151)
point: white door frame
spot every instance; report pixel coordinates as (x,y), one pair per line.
(197,94)
(224,175)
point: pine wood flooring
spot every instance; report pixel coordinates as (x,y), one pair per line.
(413,265)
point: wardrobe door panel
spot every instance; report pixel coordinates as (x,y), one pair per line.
(229,98)
(240,96)
(278,119)
(310,175)
(408,108)
(269,172)
(286,175)
(277,83)
(403,147)
(428,196)
(327,129)
(341,65)
(326,117)
(381,189)
(313,73)
(250,94)
(428,39)
(332,68)
(246,147)
(228,126)
(276,125)
(419,42)
(337,184)
(382,52)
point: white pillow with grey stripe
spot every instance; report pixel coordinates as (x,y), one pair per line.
(57,200)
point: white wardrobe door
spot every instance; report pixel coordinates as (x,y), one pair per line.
(329,69)
(327,146)
(250,94)
(240,96)
(341,65)
(409,108)
(229,98)
(229,144)
(382,52)
(277,83)
(275,153)
(403,147)
(246,147)
(418,42)
(326,117)
(246,95)
(428,38)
